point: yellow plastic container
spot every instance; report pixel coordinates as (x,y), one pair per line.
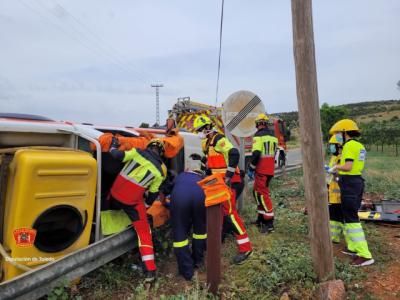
(49,207)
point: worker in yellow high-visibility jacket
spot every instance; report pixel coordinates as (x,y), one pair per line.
(335,207)
(351,185)
(144,171)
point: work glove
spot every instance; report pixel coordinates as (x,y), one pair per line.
(332,170)
(250,173)
(326,168)
(228,181)
(150,198)
(114,144)
(167,201)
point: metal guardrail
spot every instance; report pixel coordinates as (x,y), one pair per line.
(280,172)
(40,281)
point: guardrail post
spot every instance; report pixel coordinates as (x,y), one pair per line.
(242,166)
(214,228)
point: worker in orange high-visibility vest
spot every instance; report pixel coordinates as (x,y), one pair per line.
(262,170)
(222,157)
(144,171)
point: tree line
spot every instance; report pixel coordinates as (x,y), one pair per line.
(376,135)
(351,110)
(384,135)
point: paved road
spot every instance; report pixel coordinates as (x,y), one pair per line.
(294,156)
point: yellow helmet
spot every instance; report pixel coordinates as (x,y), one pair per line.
(157,143)
(344,125)
(262,118)
(201,121)
(333,140)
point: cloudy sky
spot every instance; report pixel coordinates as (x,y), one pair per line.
(94,60)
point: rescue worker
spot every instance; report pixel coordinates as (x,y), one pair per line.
(335,207)
(222,157)
(143,171)
(188,214)
(262,169)
(351,186)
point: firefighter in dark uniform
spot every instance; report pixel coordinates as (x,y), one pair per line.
(188,214)
(222,157)
(262,164)
(143,171)
(351,186)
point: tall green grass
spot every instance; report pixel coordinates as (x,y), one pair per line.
(382,174)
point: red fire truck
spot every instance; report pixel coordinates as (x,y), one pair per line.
(185,111)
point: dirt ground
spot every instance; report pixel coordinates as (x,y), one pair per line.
(178,283)
(384,283)
(380,283)
(382,280)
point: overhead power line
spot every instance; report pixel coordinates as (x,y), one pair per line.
(98,39)
(79,38)
(219,54)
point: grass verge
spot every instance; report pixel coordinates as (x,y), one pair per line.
(281,262)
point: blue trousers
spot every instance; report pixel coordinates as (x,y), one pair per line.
(188,214)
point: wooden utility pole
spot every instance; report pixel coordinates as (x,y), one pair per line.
(311,139)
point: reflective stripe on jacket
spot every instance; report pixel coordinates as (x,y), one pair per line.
(353,151)
(333,185)
(266,145)
(143,170)
(217,151)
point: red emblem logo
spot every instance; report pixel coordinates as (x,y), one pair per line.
(24,237)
